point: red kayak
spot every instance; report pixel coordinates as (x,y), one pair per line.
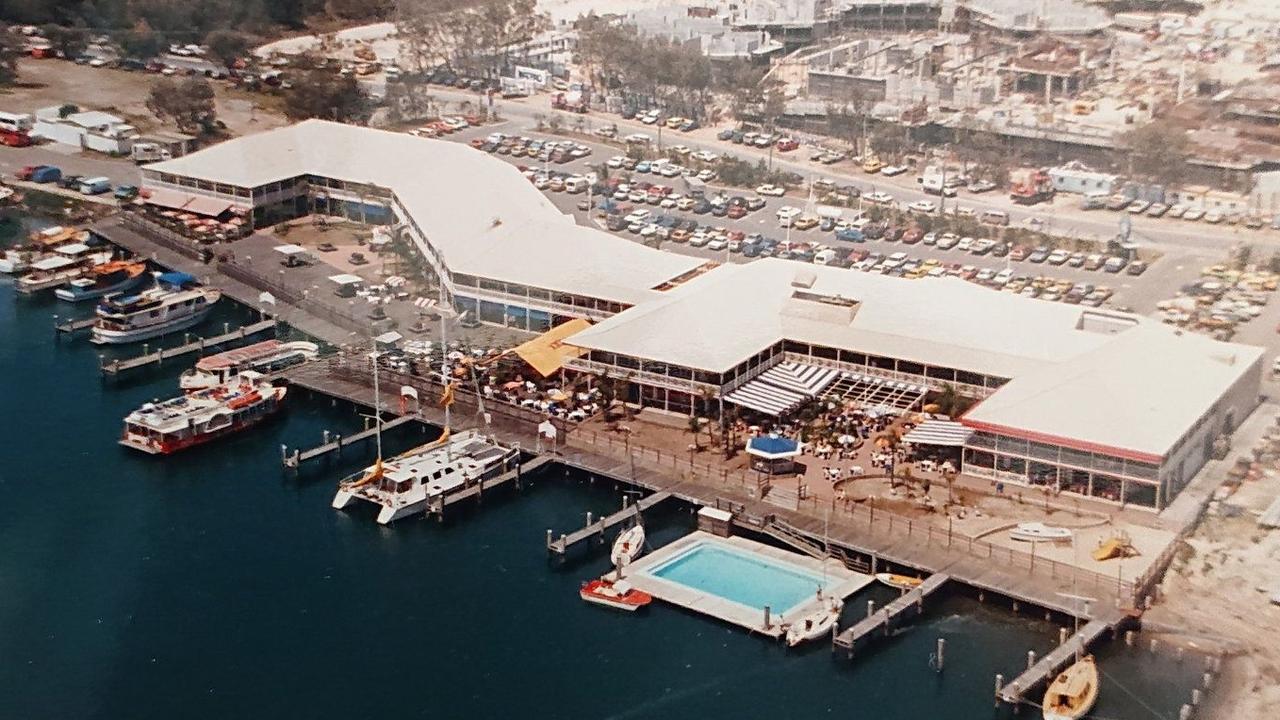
(617,594)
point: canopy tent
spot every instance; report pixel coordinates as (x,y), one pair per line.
(346,279)
(773,447)
(938,432)
(288,250)
(548,352)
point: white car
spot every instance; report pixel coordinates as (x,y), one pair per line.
(698,239)
(616,161)
(892,170)
(704,156)
(878,197)
(1057,257)
(685,203)
(718,243)
(706,175)
(924,206)
(639,138)
(771,190)
(965,244)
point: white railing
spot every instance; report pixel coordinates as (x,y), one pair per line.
(643,376)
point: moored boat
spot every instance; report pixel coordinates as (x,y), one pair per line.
(627,546)
(1039,532)
(179,423)
(814,625)
(266,357)
(1073,692)
(617,594)
(110,277)
(39,245)
(175,303)
(901,582)
(65,264)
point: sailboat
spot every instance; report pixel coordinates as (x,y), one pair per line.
(1073,693)
(628,546)
(820,622)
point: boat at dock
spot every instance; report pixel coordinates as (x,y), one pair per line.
(405,484)
(815,625)
(627,546)
(616,594)
(267,356)
(110,277)
(176,424)
(1073,693)
(901,582)
(1039,532)
(65,264)
(175,303)
(40,244)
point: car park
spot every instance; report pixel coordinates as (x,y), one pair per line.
(1038,255)
(948,241)
(1192,214)
(1157,210)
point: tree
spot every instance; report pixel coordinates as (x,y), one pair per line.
(188,103)
(10,49)
(695,429)
(142,42)
(227,46)
(317,94)
(1157,151)
(68,41)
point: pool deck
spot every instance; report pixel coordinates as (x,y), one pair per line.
(843,582)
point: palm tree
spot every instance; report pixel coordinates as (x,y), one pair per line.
(695,429)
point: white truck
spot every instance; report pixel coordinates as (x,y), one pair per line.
(933,182)
(145,152)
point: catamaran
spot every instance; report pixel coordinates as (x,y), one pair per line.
(175,303)
(39,245)
(179,423)
(110,277)
(64,264)
(265,357)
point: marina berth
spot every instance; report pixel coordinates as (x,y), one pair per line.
(39,245)
(265,357)
(174,304)
(188,420)
(110,277)
(66,263)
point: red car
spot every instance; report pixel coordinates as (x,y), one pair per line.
(736,211)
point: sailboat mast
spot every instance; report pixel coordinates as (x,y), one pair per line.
(444,368)
(377,401)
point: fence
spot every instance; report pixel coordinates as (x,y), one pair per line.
(163,236)
(294,297)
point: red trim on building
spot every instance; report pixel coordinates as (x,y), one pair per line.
(1065,442)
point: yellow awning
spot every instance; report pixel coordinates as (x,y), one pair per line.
(547,353)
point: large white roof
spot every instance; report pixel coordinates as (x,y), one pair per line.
(483,216)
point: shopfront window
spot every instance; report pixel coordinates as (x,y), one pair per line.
(1139,493)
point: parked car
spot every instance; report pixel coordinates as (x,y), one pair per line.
(771,190)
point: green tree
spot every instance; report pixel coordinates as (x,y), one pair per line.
(70,42)
(227,46)
(10,50)
(188,103)
(1157,151)
(317,94)
(142,42)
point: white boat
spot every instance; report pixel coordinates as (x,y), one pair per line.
(815,625)
(628,546)
(112,277)
(265,357)
(40,244)
(179,423)
(616,594)
(64,264)
(174,304)
(402,486)
(1039,532)
(901,582)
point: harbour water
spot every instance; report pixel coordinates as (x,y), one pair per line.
(212,585)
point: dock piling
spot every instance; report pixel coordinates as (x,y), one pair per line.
(1031,659)
(1195,697)
(871,607)
(999,685)
(1184,712)
(767,620)
(1062,635)
(941,654)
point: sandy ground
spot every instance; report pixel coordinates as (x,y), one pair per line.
(43,83)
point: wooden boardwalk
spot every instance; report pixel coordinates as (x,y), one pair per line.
(71,326)
(1051,664)
(885,618)
(338,442)
(117,366)
(561,545)
(437,505)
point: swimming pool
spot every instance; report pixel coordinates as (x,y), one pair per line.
(740,577)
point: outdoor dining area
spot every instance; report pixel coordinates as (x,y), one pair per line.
(203,219)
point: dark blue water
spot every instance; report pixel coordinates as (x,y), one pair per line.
(212,585)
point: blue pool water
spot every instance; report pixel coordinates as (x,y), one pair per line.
(739,577)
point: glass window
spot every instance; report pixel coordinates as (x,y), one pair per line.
(1004,443)
(983,439)
(969,378)
(911,368)
(883,363)
(703,376)
(1106,487)
(795,347)
(1079,458)
(1039,473)
(1137,492)
(487,284)
(683,373)
(941,373)
(1015,465)
(979,458)
(1147,471)
(855,358)
(825,352)
(1043,451)
(1108,464)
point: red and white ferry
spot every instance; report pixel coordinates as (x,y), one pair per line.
(176,424)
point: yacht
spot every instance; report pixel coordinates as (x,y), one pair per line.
(265,357)
(404,485)
(40,244)
(112,277)
(176,424)
(175,303)
(63,265)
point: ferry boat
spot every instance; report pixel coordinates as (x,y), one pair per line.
(39,244)
(179,423)
(175,303)
(1073,693)
(264,357)
(66,263)
(110,277)
(617,594)
(405,484)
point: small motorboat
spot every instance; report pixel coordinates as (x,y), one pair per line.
(1073,693)
(1039,532)
(901,582)
(815,625)
(616,594)
(628,546)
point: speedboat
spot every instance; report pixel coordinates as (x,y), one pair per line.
(815,625)
(1039,532)
(617,594)
(267,356)
(1073,693)
(111,277)
(628,546)
(901,582)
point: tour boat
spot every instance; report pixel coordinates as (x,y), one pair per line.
(162,428)
(19,259)
(1037,532)
(403,485)
(110,277)
(1073,693)
(64,264)
(901,582)
(175,303)
(628,546)
(265,357)
(616,594)
(815,625)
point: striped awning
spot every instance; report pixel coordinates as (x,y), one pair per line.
(938,432)
(804,379)
(765,398)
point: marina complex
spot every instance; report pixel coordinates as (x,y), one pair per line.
(1091,401)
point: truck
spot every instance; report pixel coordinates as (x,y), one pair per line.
(145,152)
(1029,186)
(573,101)
(934,181)
(94,186)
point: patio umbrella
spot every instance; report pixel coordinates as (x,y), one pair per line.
(773,447)
(557,396)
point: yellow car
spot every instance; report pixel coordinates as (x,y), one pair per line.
(872,165)
(805,223)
